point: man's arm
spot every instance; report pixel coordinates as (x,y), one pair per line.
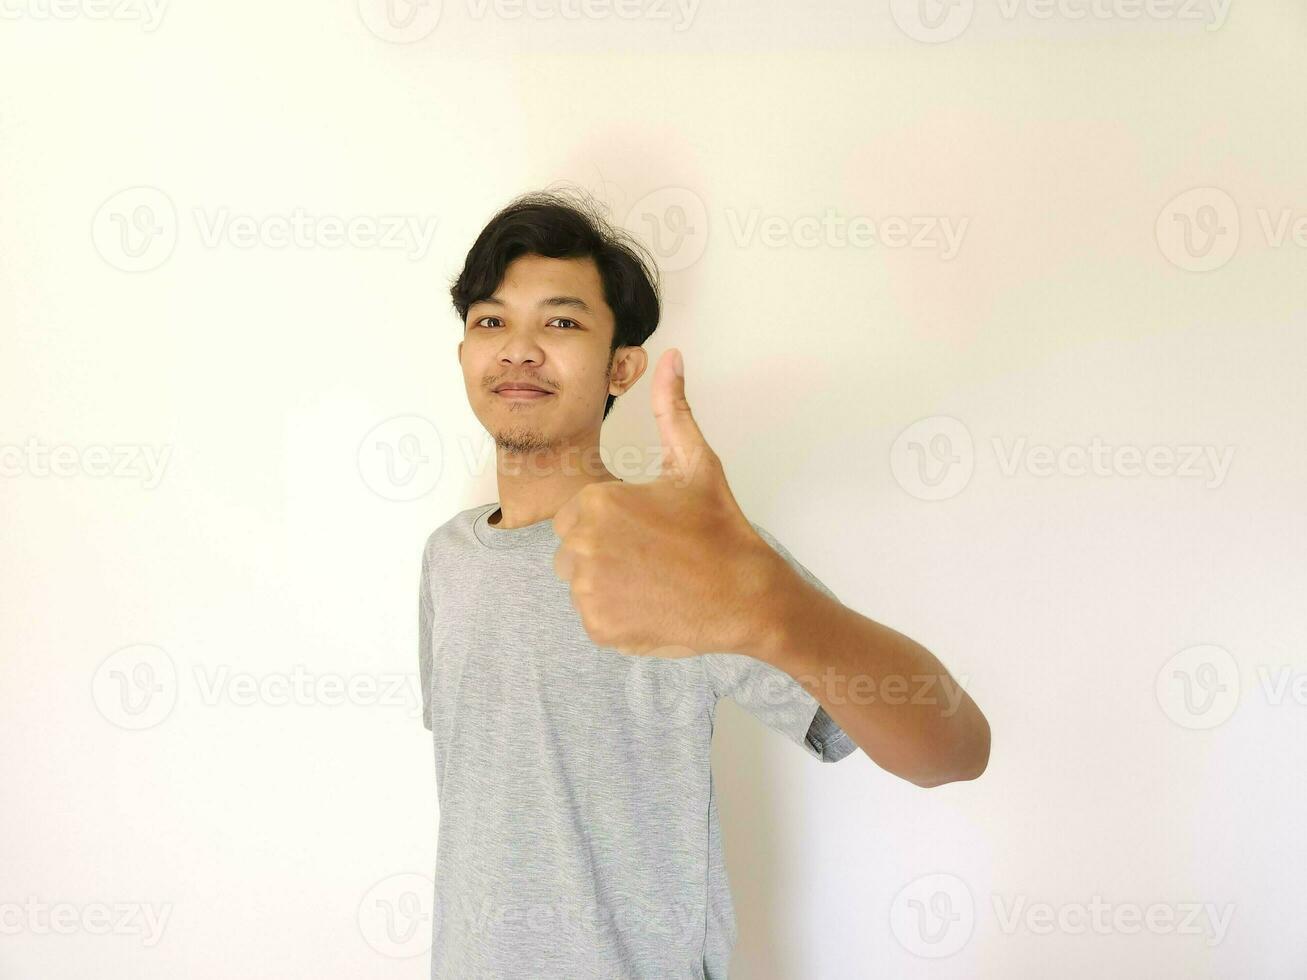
(701,579)
(889,693)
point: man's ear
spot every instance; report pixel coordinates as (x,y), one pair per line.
(633,361)
(460,353)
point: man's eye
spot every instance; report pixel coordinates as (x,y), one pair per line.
(564,322)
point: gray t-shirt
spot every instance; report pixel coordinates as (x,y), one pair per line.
(578,832)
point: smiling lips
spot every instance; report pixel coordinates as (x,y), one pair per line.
(521,391)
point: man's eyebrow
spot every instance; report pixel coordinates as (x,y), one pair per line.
(572,302)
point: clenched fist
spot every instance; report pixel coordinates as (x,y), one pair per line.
(669,568)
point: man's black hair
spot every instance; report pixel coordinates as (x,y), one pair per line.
(558,225)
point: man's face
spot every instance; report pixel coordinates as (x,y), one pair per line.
(547,324)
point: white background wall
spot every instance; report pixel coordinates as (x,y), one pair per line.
(1070,154)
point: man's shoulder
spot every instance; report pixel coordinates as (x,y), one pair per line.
(455,532)
(770,538)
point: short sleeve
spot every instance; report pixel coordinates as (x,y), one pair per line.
(774,697)
(425,614)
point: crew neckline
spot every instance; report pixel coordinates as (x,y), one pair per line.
(509,537)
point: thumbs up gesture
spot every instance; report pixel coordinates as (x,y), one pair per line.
(672,567)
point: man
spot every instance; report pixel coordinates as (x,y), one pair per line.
(577,634)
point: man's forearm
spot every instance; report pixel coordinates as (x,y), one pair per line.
(889,693)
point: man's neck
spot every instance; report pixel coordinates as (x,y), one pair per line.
(530,492)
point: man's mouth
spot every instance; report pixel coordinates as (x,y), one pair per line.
(521,392)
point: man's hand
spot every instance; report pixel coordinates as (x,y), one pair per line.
(672,568)
(669,568)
